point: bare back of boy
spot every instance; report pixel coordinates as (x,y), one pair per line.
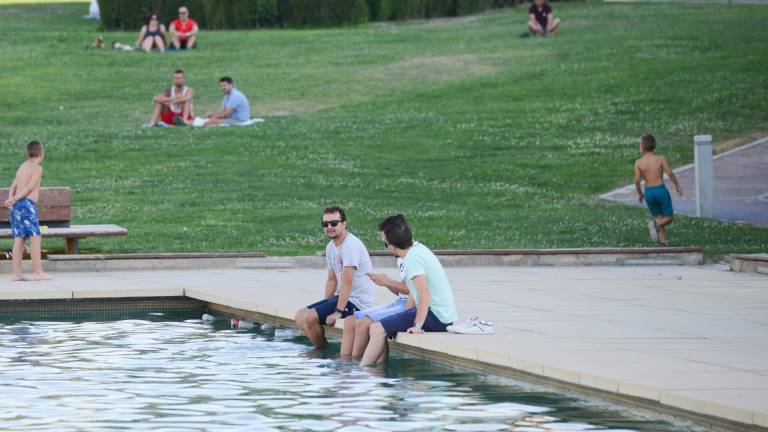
(652,168)
(29,175)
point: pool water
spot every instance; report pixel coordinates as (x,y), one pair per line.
(171,374)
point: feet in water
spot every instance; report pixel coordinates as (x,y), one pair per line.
(653,230)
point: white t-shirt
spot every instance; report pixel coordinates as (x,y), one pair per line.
(352,253)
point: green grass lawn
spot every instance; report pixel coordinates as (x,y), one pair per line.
(481,138)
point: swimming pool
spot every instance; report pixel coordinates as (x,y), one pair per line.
(158,372)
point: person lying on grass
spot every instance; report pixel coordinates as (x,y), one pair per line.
(429,290)
(541,22)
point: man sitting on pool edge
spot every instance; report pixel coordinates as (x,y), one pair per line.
(428,289)
(347,286)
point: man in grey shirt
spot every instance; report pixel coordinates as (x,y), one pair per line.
(234,108)
(347,288)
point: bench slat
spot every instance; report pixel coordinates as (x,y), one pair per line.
(54,207)
(78,231)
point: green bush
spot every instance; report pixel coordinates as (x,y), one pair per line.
(225,14)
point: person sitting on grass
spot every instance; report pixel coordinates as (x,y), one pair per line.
(183,30)
(152,34)
(234,108)
(357,327)
(174,105)
(347,287)
(429,291)
(22,209)
(651,168)
(541,22)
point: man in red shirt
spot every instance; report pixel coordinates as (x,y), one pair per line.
(183,30)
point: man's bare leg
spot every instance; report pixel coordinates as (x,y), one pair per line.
(299,318)
(18,256)
(362,336)
(314,329)
(191,41)
(376,345)
(384,356)
(212,121)
(348,337)
(35,251)
(156,113)
(186,111)
(176,42)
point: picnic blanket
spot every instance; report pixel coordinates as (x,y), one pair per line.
(200,122)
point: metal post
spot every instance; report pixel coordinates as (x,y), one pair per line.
(705,182)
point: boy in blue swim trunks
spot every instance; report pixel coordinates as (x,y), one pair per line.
(355,337)
(22,210)
(651,168)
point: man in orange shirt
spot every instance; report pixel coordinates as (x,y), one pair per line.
(183,30)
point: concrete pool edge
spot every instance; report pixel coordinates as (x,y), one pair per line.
(449,258)
(669,406)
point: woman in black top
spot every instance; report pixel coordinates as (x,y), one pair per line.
(152,34)
(540,19)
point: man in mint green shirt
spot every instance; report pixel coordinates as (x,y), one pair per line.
(430,292)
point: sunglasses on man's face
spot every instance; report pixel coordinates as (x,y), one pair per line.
(332,223)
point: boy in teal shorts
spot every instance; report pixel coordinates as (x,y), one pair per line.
(651,168)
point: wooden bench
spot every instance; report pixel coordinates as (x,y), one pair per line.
(55,211)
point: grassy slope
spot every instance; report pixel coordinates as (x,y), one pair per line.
(481,138)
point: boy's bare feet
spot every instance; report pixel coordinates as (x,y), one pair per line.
(18,278)
(41,277)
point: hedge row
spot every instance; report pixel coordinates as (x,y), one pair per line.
(228,14)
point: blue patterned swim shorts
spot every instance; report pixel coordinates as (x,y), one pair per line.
(24,222)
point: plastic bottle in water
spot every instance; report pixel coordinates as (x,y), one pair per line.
(208,318)
(242,323)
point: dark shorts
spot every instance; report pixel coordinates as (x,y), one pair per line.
(404,320)
(658,200)
(327,307)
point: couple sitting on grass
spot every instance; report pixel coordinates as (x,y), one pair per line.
(424,297)
(174,105)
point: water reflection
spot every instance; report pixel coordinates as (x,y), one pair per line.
(154,374)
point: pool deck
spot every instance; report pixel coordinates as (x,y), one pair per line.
(694,338)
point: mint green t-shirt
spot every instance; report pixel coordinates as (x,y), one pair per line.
(421,261)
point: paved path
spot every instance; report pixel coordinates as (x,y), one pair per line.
(741,186)
(692,337)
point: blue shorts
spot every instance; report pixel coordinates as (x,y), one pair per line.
(24,222)
(327,307)
(404,320)
(378,313)
(658,200)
